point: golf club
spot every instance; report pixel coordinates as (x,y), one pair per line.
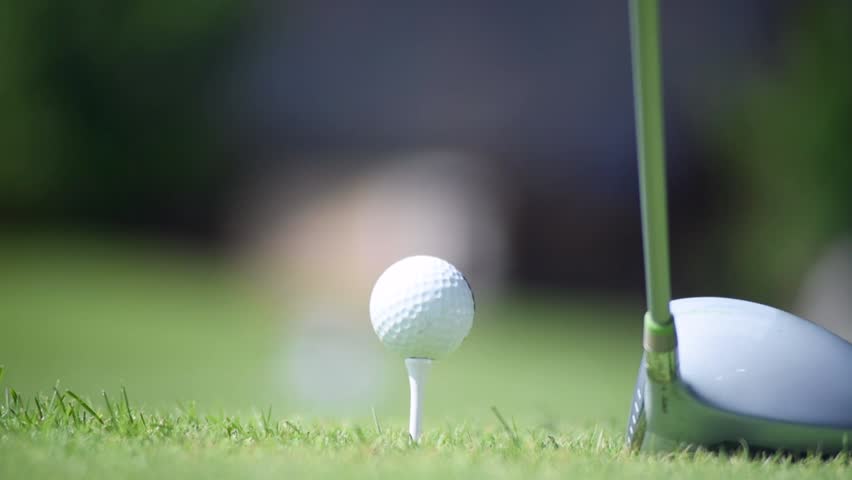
(721,371)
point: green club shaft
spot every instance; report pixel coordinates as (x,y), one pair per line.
(650,138)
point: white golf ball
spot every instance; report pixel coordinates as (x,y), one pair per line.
(422,307)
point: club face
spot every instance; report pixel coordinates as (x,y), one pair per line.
(747,373)
(637,421)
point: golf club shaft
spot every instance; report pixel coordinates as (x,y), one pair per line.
(647,90)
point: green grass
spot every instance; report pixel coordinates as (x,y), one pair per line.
(65,435)
(199,353)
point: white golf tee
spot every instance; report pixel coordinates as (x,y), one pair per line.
(418,370)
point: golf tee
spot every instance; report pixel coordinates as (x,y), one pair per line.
(418,370)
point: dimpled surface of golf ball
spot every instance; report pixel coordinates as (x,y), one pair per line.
(422,307)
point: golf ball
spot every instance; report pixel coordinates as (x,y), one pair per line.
(422,307)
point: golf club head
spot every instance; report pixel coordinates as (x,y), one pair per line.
(748,374)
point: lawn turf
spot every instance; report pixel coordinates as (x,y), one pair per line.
(65,436)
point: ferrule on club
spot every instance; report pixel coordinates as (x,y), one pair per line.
(418,371)
(660,342)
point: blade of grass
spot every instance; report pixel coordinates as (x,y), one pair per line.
(512,433)
(40,409)
(553,442)
(267,420)
(127,404)
(72,412)
(85,405)
(61,399)
(13,395)
(109,407)
(293,427)
(50,404)
(376,421)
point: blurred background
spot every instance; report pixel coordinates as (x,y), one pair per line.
(196,197)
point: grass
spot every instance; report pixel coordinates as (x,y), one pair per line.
(65,435)
(200,356)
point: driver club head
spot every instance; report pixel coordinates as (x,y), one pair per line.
(746,374)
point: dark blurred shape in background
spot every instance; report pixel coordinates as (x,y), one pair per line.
(109,110)
(315,142)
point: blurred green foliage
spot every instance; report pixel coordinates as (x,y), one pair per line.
(103,103)
(790,145)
